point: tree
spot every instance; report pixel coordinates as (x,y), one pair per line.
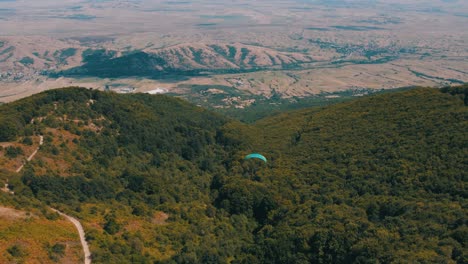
(111,226)
(8,130)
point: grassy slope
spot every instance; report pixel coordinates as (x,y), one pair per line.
(34,230)
(37,236)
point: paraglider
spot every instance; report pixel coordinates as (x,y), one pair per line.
(256,156)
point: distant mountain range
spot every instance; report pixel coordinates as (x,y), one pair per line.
(187,59)
(67,58)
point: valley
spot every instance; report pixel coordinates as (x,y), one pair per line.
(285,48)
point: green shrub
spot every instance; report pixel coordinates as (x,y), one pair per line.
(17,251)
(27,141)
(13,152)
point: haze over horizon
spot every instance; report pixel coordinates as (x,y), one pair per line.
(313,46)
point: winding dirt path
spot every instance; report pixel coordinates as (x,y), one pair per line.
(79,227)
(41,141)
(87,252)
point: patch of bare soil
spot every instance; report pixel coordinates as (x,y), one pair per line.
(160,218)
(12,214)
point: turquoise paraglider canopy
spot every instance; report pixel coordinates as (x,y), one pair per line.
(256,156)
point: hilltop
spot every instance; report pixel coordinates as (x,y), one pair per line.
(156,179)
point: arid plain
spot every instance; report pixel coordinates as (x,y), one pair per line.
(291,48)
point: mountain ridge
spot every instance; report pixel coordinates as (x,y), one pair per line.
(190,58)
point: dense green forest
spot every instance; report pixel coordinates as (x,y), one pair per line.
(379,179)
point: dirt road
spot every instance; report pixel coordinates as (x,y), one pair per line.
(87,252)
(79,227)
(41,141)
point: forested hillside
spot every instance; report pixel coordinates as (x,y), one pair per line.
(380,179)
(155,179)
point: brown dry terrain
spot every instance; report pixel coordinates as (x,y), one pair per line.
(297,48)
(222,56)
(12,214)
